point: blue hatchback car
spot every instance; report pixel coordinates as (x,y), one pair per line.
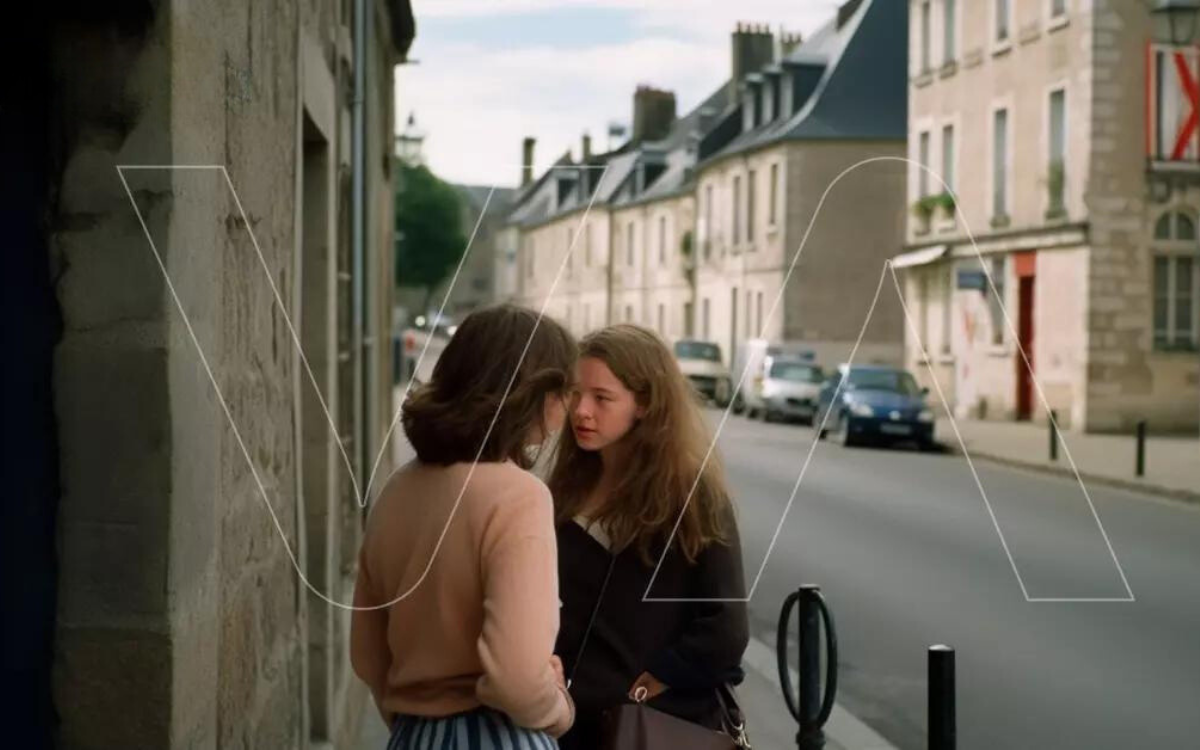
(875,402)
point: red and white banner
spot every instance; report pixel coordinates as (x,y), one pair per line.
(1172,103)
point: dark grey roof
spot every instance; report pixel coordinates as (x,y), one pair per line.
(535,204)
(862,92)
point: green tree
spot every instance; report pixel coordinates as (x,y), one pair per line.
(429,233)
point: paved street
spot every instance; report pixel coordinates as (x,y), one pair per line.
(908,555)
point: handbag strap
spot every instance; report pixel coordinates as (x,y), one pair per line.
(591,622)
(732,717)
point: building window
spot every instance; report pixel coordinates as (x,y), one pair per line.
(687,319)
(708,226)
(949,31)
(662,240)
(774,195)
(629,244)
(704,320)
(923,161)
(1056,176)
(948,157)
(750,207)
(1176,284)
(1000,164)
(628,313)
(1003,10)
(923,308)
(925,37)
(1058,8)
(662,320)
(999,276)
(948,281)
(737,210)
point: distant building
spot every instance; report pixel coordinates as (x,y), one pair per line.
(1061,128)
(692,224)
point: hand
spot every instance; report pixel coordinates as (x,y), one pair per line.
(559,677)
(653,687)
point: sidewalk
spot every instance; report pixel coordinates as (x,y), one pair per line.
(1172,463)
(768,722)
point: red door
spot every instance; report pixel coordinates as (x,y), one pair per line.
(1025,266)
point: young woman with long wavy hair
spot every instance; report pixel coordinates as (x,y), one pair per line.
(650,562)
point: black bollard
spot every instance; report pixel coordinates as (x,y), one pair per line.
(942,729)
(810,708)
(1140,469)
(1053,435)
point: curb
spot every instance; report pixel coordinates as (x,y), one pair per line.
(844,728)
(1133,485)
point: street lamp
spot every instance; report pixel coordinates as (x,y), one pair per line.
(1179,17)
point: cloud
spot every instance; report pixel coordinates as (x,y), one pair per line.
(476,102)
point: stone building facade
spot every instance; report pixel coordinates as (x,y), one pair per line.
(702,220)
(1036,113)
(196,482)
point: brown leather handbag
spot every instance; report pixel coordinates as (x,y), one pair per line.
(636,726)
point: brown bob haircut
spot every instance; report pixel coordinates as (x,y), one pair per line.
(498,349)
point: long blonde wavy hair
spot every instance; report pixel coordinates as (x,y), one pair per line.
(665,450)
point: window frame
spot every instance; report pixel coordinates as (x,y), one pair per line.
(1171,250)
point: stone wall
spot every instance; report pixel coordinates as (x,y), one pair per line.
(182,619)
(1127,379)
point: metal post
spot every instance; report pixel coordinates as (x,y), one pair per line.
(811,735)
(1141,448)
(942,729)
(812,707)
(1053,435)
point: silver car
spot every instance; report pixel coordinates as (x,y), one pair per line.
(787,389)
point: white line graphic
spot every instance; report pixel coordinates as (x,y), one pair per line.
(362,497)
(887,267)
(278,300)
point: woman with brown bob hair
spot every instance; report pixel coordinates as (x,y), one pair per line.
(456,602)
(649,555)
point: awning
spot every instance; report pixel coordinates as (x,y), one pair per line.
(920,257)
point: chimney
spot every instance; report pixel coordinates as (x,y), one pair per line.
(585,148)
(752,48)
(846,11)
(788,42)
(653,114)
(527,161)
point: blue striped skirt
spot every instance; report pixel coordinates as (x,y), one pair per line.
(481,729)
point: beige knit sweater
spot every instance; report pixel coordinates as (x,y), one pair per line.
(480,624)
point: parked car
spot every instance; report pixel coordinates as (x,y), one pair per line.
(752,358)
(701,364)
(433,328)
(875,402)
(788,388)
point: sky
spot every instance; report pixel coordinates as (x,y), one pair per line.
(487,73)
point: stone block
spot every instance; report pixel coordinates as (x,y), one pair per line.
(114,431)
(113,688)
(112,574)
(238,662)
(279,722)
(277,594)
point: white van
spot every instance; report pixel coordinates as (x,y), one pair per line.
(778,380)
